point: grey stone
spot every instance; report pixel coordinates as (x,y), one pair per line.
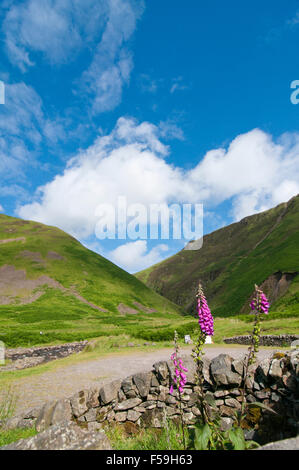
(128,404)
(171,411)
(94,426)
(232,402)
(153,418)
(62,412)
(131,394)
(79,403)
(109,391)
(263,394)
(163,393)
(276,370)
(93,400)
(161,404)
(188,418)
(238,366)
(262,370)
(133,415)
(121,395)
(18,422)
(110,416)
(221,393)
(170,400)
(121,417)
(221,371)
(154,381)
(91,415)
(196,411)
(219,402)
(226,423)
(151,397)
(286,444)
(127,384)
(143,383)
(67,436)
(162,371)
(44,419)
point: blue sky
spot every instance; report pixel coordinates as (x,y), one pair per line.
(159,102)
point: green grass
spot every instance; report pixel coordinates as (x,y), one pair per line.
(59,315)
(146,439)
(13,435)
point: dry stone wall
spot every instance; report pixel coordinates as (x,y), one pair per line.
(23,358)
(265,340)
(143,399)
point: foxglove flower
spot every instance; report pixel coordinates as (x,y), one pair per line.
(205,318)
(260,303)
(180,378)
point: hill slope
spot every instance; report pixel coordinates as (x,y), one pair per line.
(261,249)
(51,284)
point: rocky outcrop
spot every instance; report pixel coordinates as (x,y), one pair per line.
(265,340)
(65,436)
(143,399)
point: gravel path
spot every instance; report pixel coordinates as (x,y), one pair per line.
(61,382)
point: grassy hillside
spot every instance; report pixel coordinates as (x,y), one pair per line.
(50,283)
(261,249)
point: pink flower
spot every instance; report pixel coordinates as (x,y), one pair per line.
(180,379)
(260,303)
(205,318)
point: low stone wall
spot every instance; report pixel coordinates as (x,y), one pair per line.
(266,340)
(143,399)
(22,358)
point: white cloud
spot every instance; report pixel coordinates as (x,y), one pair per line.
(134,256)
(112,63)
(57,30)
(21,116)
(254,172)
(178,85)
(1,208)
(23,129)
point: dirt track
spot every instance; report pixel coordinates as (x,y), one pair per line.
(34,390)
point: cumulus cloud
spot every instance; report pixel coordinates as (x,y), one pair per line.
(254,172)
(1,208)
(135,256)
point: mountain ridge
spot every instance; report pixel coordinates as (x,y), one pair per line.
(224,252)
(53,288)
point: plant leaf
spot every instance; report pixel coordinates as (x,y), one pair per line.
(202,437)
(262,405)
(237,439)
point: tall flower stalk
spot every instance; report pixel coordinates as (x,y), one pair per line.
(206,324)
(260,305)
(179,380)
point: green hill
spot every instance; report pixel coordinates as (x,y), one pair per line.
(261,249)
(52,288)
